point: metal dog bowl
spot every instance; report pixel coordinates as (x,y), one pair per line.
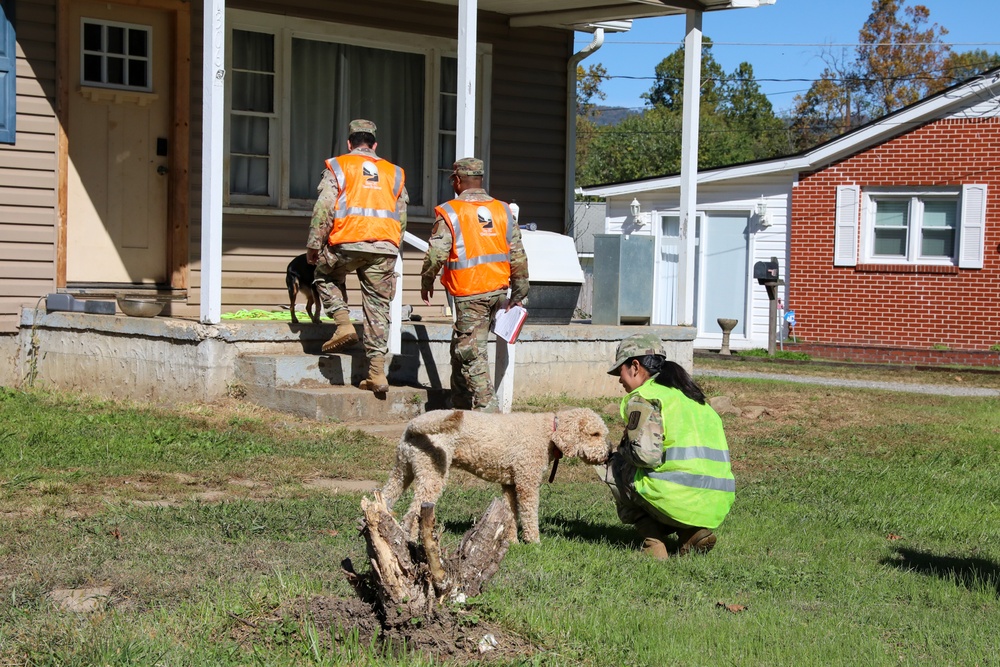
(140,307)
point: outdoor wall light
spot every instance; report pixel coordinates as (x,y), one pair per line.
(763,219)
(635,213)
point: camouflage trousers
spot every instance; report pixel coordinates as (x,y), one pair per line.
(619,475)
(471,384)
(377,274)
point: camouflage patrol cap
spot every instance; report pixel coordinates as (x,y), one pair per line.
(468,166)
(361,125)
(638,345)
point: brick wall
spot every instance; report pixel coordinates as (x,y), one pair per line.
(902,308)
(879,354)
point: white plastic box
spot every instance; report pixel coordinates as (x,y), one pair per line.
(555,277)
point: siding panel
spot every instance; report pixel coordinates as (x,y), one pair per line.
(28,176)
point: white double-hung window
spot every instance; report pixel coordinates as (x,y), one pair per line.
(911,226)
(293,86)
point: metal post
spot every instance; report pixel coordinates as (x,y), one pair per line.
(772,316)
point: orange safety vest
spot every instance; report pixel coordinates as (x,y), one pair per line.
(479,260)
(366,204)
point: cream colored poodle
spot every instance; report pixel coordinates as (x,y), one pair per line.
(515,450)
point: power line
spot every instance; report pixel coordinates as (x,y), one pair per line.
(797,44)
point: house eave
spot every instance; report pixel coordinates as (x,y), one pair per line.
(834,150)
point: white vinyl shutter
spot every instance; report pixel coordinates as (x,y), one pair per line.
(845,244)
(971,237)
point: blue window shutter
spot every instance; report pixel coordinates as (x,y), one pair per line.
(8,73)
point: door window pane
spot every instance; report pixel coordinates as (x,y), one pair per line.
(116,55)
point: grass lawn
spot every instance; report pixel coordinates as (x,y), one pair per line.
(865,532)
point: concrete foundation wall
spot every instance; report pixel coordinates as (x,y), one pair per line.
(170,360)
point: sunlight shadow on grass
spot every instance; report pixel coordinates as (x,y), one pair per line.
(972,573)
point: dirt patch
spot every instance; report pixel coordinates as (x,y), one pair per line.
(454,635)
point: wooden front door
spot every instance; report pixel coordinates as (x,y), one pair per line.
(119,130)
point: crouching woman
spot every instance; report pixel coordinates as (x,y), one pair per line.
(671,473)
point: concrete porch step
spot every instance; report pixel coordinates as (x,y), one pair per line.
(324,387)
(351,405)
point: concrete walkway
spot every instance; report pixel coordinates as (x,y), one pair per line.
(916,388)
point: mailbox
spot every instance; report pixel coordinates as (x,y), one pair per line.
(766,272)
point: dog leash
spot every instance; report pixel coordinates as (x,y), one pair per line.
(558,454)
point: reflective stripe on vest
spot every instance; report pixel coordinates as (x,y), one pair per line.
(478,263)
(694,483)
(366,202)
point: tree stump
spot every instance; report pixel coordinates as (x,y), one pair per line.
(412,579)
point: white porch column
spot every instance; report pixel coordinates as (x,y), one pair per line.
(213,119)
(689,167)
(465,144)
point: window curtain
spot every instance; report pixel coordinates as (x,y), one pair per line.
(335,83)
(252,94)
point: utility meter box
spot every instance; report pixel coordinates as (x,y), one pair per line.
(554,277)
(623,279)
(766,272)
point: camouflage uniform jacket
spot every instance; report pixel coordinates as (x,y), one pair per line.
(642,442)
(440,247)
(326,204)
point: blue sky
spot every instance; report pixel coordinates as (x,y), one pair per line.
(781,41)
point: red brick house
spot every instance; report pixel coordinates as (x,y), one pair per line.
(895,248)
(888,237)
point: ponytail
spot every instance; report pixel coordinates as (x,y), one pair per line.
(671,374)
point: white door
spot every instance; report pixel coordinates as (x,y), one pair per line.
(668,256)
(722,271)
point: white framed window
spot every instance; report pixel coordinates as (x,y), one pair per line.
(116,55)
(295,85)
(916,227)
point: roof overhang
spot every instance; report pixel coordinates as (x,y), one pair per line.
(579,14)
(984,87)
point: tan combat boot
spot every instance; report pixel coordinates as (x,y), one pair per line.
(652,533)
(697,540)
(344,336)
(376,380)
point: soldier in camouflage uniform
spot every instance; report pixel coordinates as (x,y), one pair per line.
(477,300)
(671,473)
(372,259)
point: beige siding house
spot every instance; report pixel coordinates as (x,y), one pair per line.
(100,191)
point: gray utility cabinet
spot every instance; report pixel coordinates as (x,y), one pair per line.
(623,279)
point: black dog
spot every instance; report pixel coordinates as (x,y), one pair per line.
(299,278)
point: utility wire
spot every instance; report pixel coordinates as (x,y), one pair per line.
(609,42)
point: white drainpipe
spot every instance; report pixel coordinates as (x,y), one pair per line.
(574,60)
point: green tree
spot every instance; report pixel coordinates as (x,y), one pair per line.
(958,67)
(737,124)
(668,87)
(588,87)
(751,130)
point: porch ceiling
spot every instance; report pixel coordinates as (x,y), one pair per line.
(577,14)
